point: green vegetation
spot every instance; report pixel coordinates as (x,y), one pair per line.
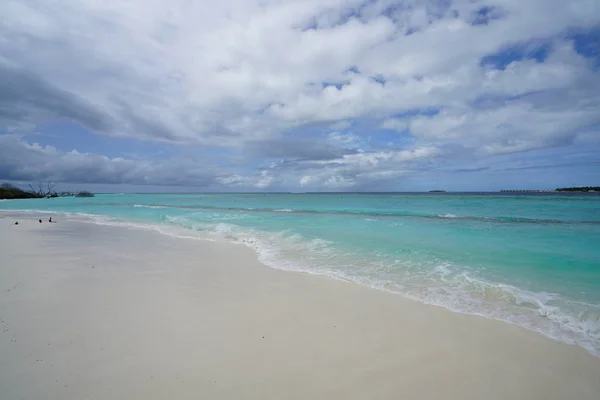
(39,191)
(8,191)
(580,189)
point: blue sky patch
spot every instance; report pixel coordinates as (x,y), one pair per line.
(485,15)
(537,50)
(428,112)
(587,43)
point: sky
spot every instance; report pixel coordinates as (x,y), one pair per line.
(300,95)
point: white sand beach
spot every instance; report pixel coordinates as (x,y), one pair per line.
(103,312)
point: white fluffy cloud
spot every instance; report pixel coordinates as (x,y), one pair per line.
(262,180)
(244,73)
(361,169)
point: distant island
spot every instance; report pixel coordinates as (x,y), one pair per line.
(437,191)
(11,192)
(526,191)
(568,189)
(580,189)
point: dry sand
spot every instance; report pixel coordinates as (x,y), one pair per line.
(104,312)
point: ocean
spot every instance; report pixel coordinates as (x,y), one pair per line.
(528,259)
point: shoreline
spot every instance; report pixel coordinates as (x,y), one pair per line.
(184,233)
(98,311)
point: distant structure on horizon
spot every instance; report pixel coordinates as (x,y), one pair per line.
(569,189)
(527,190)
(580,189)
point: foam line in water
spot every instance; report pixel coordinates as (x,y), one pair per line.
(447,216)
(446,285)
(368,213)
(149,206)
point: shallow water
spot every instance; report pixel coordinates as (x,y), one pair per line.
(531,259)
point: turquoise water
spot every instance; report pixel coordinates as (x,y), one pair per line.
(533,260)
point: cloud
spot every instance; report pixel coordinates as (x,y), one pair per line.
(296,147)
(395,124)
(264,179)
(26,100)
(23,161)
(272,79)
(345,140)
(363,170)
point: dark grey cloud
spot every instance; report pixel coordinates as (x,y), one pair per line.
(469,170)
(26,98)
(557,165)
(22,161)
(143,125)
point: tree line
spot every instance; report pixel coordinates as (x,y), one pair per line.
(580,189)
(37,191)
